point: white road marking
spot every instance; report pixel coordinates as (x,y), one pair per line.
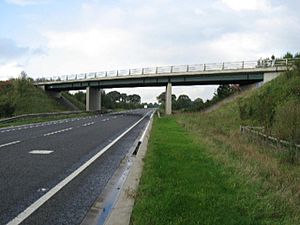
(33,207)
(58,131)
(41,152)
(10,143)
(88,124)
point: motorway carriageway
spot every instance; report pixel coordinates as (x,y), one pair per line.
(52,172)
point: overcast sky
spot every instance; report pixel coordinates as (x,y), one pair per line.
(52,37)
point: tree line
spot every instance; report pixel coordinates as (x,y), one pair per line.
(184,103)
(114,100)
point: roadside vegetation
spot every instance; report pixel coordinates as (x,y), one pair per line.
(115,100)
(80,105)
(204,178)
(184,104)
(20,96)
(201,170)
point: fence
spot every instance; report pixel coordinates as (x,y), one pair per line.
(259,132)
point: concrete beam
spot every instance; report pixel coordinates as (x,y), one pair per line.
(168,103)
(93,99)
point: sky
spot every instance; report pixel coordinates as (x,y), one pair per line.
(57,37)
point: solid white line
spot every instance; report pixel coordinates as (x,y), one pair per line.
(10,143)
(33,207)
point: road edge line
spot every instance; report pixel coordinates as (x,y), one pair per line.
(122,209)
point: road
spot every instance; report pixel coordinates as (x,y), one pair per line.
(52,172)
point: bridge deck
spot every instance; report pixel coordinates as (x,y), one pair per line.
(197,74)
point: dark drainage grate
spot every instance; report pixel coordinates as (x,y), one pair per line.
(136,148)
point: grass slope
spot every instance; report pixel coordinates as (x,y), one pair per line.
(20,96)
(73,100)
(275,106)
(183,183)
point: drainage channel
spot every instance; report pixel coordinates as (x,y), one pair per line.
(113,195)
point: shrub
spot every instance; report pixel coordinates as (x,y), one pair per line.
(7,108)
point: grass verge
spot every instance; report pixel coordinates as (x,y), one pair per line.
(192,175)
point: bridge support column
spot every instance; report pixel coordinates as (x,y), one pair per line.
(168,103)
(93,99)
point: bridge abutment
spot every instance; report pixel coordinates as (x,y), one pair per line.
(93,99)
(270,76)
(168,103)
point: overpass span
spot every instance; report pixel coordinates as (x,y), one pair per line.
(242,72)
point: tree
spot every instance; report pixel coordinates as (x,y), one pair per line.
(288,55)
(198,104)
(162,98)
(223,91)
(297,55)
(115,96)
(183,102)
(123,97)
(80,96)
(134,99)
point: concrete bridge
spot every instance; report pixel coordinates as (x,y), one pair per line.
(243,73)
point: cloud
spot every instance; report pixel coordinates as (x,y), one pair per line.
(104,35)
(10,70)
(14,58)
(27,2)
(9,50)
(238,5)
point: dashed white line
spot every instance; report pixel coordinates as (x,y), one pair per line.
(41,152)
(58,131)
(88,124)
(10,143)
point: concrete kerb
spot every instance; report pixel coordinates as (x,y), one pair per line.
(122,209)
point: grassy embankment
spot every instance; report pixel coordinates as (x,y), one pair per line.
(200,170)
(73,100)
(20,96)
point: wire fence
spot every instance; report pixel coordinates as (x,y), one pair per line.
(259,132)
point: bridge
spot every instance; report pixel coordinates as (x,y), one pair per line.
(242,73)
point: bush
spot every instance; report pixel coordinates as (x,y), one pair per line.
(7,108)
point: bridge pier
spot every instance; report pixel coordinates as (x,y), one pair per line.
(168,103)
(93,99)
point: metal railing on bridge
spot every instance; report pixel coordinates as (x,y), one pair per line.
(240,65)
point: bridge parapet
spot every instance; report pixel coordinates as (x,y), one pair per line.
(276,64)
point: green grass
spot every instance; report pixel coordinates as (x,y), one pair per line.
(184,183)
(20,96)
(73,100)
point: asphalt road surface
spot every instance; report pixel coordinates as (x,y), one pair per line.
(50,173)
